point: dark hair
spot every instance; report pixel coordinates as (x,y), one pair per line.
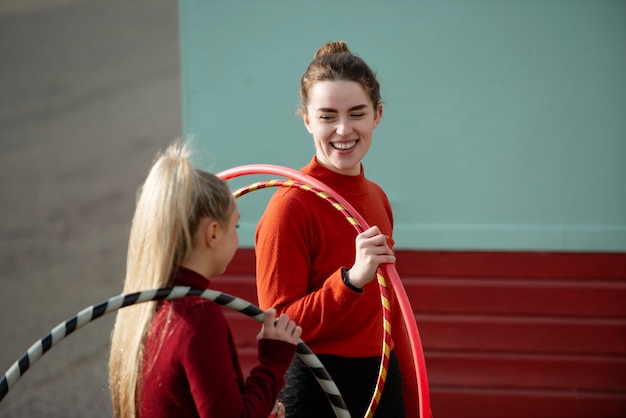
(334,61)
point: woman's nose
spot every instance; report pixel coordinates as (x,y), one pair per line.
(344,127)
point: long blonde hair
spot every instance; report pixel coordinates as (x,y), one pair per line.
(173,199)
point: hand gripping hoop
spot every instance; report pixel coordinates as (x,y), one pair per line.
(308,183)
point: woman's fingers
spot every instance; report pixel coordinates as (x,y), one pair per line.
(372,250)
(288,328)
(372,238)
(269,318)
(282,328)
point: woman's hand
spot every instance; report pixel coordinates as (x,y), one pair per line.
(372,250)
(282,329)
(278,411)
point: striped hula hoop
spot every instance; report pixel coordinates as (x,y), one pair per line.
(412,333)
(91,313)
(382,283)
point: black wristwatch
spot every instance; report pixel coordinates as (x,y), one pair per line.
(344,276)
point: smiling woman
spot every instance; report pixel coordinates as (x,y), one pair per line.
(327,281)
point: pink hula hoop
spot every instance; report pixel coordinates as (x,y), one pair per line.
(417,351)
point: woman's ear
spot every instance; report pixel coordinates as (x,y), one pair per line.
(307,122)
(378,115)
(210,233)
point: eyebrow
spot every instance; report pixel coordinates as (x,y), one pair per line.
(352,109)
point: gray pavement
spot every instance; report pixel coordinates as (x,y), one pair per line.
(89,92)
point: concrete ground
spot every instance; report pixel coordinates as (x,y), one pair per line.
(89,92)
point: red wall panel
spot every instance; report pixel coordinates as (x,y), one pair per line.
(505,334)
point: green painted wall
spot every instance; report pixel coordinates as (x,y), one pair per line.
(504,123)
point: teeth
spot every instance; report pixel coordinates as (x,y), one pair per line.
(343,145)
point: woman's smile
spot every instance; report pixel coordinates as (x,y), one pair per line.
(343,146)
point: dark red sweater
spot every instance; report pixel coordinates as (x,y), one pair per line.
(191,368)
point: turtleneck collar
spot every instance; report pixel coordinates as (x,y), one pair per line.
(341,183)
(186,277)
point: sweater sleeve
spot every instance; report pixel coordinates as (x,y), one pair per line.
(209,358)
(284,269)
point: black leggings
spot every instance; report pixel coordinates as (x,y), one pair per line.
(356,379)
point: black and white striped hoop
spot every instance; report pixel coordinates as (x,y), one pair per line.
(91,313)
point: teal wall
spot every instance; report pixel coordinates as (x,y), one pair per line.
(504,125)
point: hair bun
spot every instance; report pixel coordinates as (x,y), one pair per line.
(334,47)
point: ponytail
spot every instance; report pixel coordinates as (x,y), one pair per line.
(171,202)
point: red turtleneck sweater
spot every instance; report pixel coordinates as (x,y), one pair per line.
(302,243)
(191,368)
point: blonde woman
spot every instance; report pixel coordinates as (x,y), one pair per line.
(177,358)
